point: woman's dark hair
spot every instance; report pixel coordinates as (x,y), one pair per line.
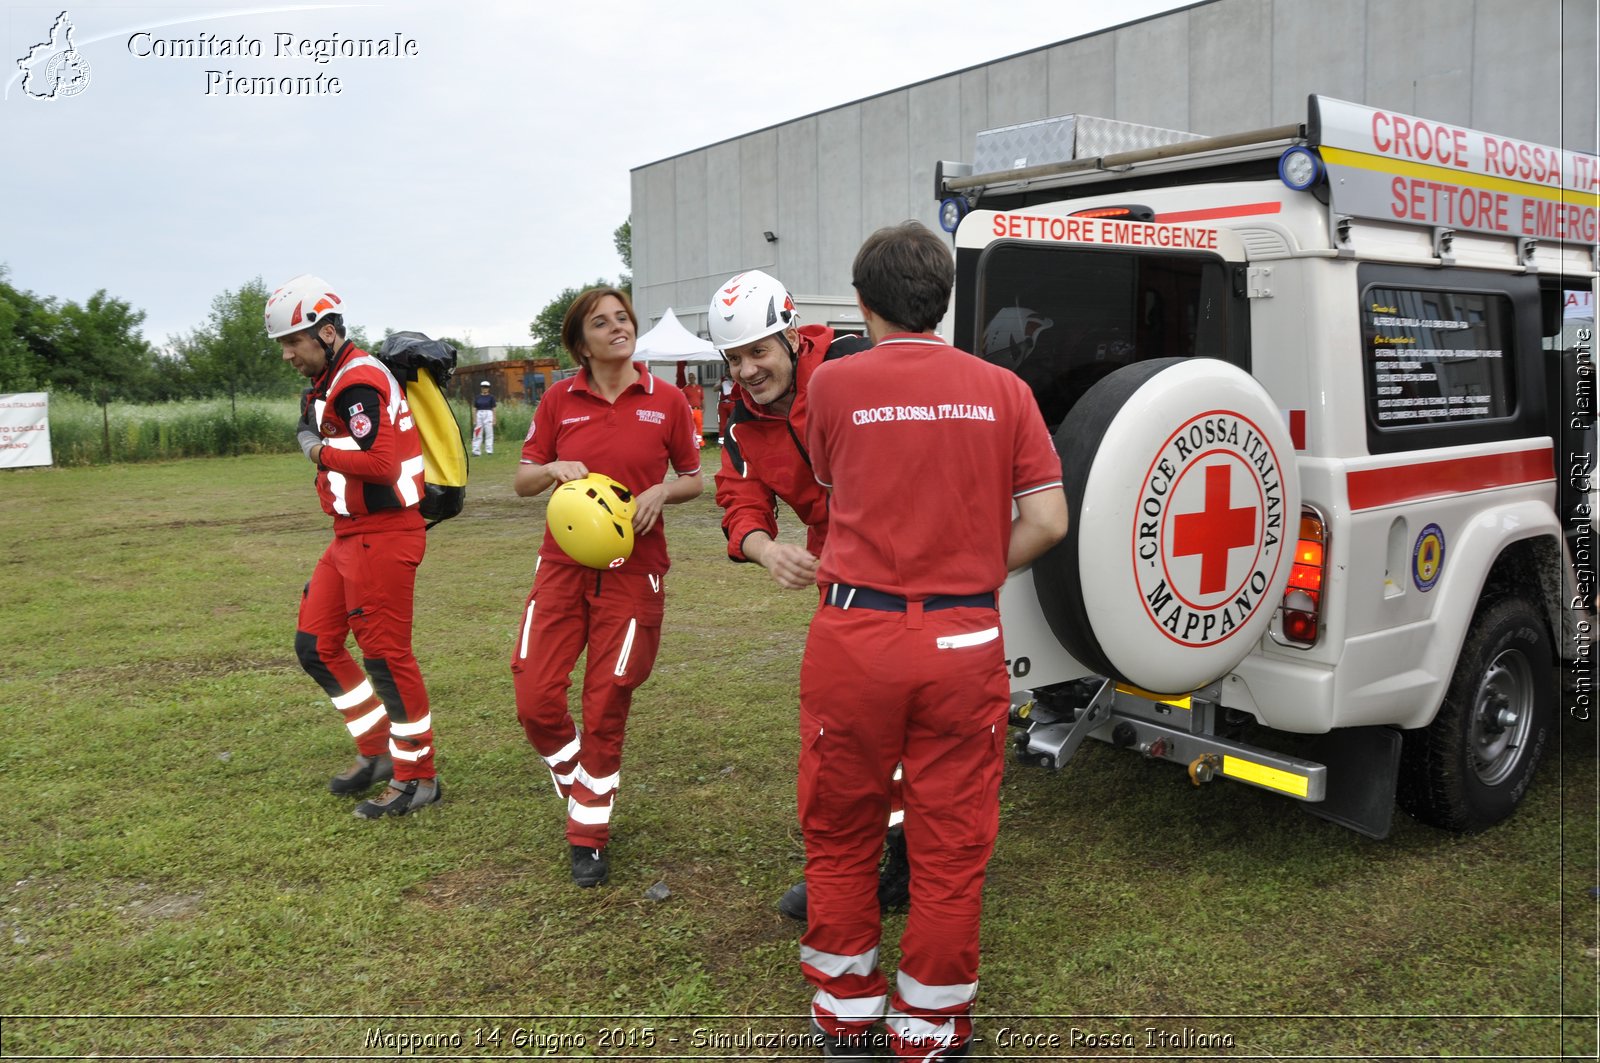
(578,313)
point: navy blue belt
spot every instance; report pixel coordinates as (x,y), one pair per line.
(847,597)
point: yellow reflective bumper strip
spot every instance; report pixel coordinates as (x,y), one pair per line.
(1272,778)
(1184,702)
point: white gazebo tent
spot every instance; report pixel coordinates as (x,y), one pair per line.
(670,342)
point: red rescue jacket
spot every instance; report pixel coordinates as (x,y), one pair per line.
(370,473)
(764,456)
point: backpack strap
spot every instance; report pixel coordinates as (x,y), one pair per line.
(846,344)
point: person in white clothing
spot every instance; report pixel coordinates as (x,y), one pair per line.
(483,419)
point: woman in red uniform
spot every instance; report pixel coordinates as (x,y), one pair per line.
(616,419)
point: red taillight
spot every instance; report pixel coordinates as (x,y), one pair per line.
(1131,211)
(1302,600)
(1299,627)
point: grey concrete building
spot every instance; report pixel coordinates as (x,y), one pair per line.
(805,192)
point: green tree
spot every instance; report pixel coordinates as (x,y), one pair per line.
(622,240)
(230,354)
(98,352)
(546,328)
(21,364)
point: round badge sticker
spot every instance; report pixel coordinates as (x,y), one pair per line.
(1427,558)
(1208,532)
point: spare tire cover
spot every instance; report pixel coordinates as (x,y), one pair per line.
(1185,509)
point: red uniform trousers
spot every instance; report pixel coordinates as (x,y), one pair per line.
(364,583)
(897,801)
(930,691)
(618,617)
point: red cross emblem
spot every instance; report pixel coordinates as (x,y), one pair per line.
(1215,530)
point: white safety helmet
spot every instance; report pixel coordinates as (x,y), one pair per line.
(748,307)
(484,384)
(301,304)
(1012,334)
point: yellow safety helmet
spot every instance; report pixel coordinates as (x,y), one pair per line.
(592,520)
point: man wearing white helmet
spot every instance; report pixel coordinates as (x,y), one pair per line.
(356,429)
(771,357)
(483,419)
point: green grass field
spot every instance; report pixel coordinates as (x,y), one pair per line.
(175,879)
(81,433)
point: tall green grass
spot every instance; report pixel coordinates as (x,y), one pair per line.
(81,434)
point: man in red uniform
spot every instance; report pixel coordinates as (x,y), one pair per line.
(753,323)
(357,430)
(926,449)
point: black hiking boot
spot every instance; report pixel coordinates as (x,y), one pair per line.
(402,798)
(793,902)
(363,775)
(590,867)
(894,880)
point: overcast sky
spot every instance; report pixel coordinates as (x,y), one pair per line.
(454,191)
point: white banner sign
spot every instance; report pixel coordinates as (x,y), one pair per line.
(1395,167)
(24,430)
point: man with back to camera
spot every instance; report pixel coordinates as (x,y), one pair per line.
(925,449)
(356,429)
(483,418)
(772,357)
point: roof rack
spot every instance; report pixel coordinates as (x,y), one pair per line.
(1205,152)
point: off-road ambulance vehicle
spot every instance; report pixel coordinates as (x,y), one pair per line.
(1324,402)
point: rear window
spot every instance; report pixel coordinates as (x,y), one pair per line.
(1437,357)
(1063,318)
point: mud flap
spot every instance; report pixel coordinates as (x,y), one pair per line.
(1363,767)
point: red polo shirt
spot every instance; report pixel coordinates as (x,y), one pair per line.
(631,440)
(913,423)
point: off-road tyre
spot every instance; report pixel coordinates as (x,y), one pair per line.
(1468,770)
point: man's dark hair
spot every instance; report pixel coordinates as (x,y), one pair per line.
(904,274)
(336,320)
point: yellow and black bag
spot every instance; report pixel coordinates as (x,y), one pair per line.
(424,367)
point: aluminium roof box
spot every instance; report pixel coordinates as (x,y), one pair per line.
(1064,138)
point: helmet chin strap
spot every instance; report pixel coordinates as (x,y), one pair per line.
(794,365)
(331,352)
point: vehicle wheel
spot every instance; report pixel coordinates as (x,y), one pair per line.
(1469,768)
